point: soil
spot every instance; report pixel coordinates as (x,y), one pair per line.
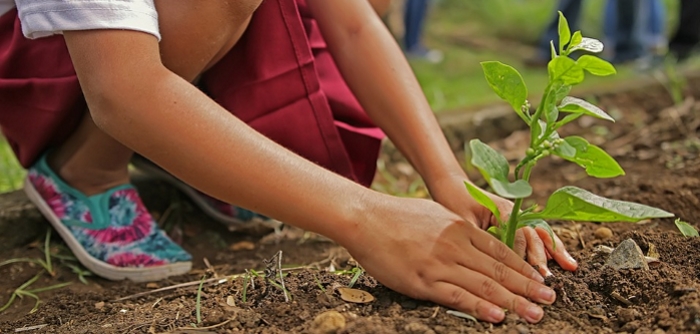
(656,143)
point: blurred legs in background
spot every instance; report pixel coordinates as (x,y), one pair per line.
(687,37)
(414,22)
(635,30)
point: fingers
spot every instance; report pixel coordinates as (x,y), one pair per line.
(501,253)
(558,252)
(495,292)
(456,297)
(536,252)
(520,244)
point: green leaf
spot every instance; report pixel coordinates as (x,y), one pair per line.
(564,33)
(507,83)
(588,44)
(566,151)
(566,70)
(686,229)
(567,119)
(551,113)
(484,200)
(560,91)
(571,203)
(534,223)
(494,168)
(517,189)
(596,66)
(578,106)
(593,159)
(495,231)
(575,40)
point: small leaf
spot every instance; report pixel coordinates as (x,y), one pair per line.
(565,150)
(491,163)
(483,199)
(588,44)
(566,70)
(534,223)
(517,189)
(494,231)
(567,119)
(593,159)
(578,106)
(686,229)
(576,39)
(564,33)
(507,83)
(560,91)
(596,66)
(571,203)
(494,168)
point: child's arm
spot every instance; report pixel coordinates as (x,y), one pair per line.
(416,247)
(379,75)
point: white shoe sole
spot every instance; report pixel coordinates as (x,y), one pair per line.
(102,269)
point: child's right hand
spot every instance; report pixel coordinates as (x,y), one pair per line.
(419,248)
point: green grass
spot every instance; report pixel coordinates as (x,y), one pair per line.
(11,173)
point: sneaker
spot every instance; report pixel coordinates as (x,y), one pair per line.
(230,215)
(112,234)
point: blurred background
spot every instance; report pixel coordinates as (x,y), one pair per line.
(454,36)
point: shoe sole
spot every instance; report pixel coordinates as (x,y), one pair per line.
(96,266)
(156,172)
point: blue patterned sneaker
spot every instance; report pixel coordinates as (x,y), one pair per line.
(230,215)
(112,234)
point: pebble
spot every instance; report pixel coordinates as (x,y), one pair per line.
(522,329)
(625,315)
(329,322)
(242,245)
(627,255)
(603,233)
(409,304)
(417,328)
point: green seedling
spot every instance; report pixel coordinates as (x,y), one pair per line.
(355,276)
(198,303)
(555,110)
(686,229)
(22,292)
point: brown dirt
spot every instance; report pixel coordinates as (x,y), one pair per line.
(656,145)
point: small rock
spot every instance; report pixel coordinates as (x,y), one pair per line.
(659,331)
(625,315)
(522,329)
(329,322)
(99,305)
(355,295)
(603,233)
(417,328)
(627,256)
(243,245)
(152,285)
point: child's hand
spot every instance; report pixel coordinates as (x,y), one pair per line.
(421,249)
(536,245)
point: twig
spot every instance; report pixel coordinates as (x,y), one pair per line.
(30,328)
(206,328)
(580,237)
(210,267)
(437,309)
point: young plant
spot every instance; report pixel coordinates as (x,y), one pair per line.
(555,110)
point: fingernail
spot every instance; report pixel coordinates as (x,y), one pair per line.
(496,314)
(547,273)
(534,313)
(537,277)
(570,258)
(546,294)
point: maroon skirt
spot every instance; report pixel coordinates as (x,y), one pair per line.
(279,78)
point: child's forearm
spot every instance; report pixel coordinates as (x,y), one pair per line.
(379,75)
(158,114)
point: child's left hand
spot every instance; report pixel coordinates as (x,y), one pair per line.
(534,244)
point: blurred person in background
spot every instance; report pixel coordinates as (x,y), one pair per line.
(415,14)
(634,30)
(687,36)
